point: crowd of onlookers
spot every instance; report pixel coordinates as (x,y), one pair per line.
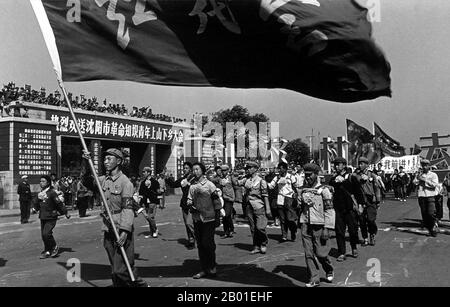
(11,96)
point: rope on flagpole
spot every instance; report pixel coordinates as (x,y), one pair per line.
(94,172)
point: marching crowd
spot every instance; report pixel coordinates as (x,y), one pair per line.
(11,97)
(297,198)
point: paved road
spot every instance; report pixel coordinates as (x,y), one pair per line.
(405,255)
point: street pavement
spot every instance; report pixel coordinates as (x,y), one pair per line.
(404,255)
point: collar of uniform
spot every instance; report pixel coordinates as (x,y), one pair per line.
(253,179)
(115,177)
(203,181)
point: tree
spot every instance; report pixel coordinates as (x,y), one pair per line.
(240,114)
(297,152)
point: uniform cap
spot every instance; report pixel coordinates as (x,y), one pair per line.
(224,167)
(311,168)
(363,159)
(425,161)
(114,152)
(252,164)
(339,160)
(24,177)
(147,169)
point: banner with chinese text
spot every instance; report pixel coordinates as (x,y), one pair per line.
(410,163)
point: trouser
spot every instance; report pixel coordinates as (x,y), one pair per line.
(227,220)
(428,211)
(25,206)
(258,222)
(151,212)
(367,220)
(396,191)
(288,218)
(82,204)
(244,208)
(273,208)
(344,220)
(204,233)
(448,205)
(119,272)
(189,223)
(315,250)
(162,200)
(47,234)
(439,200)
(90,201)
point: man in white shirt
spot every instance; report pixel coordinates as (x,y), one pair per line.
(287,186)
(427,181)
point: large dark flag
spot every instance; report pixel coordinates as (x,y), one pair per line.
(385,144)
(322,48)
(361,144)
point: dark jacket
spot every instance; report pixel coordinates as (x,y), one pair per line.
(149,193)
(342,200)
(50,207)
(177,184)
(24,191)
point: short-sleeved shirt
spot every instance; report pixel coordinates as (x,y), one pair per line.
(118,191)
(200,196)
(314,210)
(427,188)
(256,190)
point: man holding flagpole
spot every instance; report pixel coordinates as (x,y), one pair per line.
(118,191)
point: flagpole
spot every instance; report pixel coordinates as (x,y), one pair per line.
(94,172)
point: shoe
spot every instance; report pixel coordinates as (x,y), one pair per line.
(199,275)
(284,239)
(330,276)
(212,272)
(312,284)
(277,222)
(155,234)
(365,243)
(224,236)
(263,249)
(255,250)
(372,240)
(230,235)
(341,258)
(147,237)
(55,251)
(293,237)
(355,253)
(45,255)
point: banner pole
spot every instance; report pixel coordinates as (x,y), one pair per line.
(97,181)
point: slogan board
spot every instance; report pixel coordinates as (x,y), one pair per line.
(34,150)
(410,163)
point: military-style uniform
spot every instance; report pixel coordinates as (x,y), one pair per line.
(371,200)
(118,191)
(317,216)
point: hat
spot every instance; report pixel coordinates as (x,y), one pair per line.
(339,160)
(311,168)
(24,177)
(251,164)
(114,152)
(425,161)
(147,169)
(363,159)
(225,167)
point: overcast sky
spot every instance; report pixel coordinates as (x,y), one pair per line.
(414,34)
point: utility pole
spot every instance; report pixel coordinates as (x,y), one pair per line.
(311,144)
